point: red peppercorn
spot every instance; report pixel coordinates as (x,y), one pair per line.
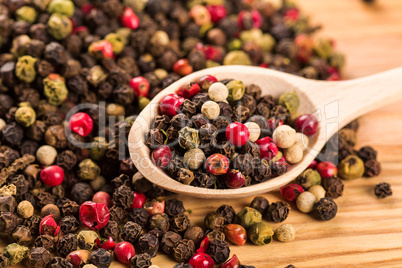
(129,19)
(139,200)
(334,74)
(124,251)
(170,104)
(268,148)
(305,45)
(206,81)
(48,226)
(273,124)
(313,164)
(291,191)
(154,207)
(140,85)
(218,12)
(103,198)
(86,8)
(237,133)
(307,124)
(233,262)
(246,15)
(81,123)
(217,164)
(52,175)
(234,179)
(212,53)
(101,49)
(291,14)
(107,244)
(78,258)
(327,169)
(94,215)
(203,245)
(201,260)
(182,67)
(236,234)
(189,91)
(79,29)
(161,156)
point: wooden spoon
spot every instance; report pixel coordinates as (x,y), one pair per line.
(334,103)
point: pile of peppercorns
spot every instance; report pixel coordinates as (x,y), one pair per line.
(225,134)
(57,54)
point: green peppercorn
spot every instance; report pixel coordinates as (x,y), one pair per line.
(26,13)
(15,253)
(350,168)
(25,115)
(188,138)
(236,90)
(25,69)
(54,88)
(290,100)
(267,42)
(88,170)
(143,102)
(117,42)
(20,45)
(260,233)
(59,26)
(86,239)
(309,178)
(235,44)
(98,148)
(237,57)
(323,48)
(337,60)
(247,217)
(63,7)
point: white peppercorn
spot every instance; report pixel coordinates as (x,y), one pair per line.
(302,140)
(218,92)
(285,233)
(194,158)
(318,191)
(294,154)
(284,136)
(46,155)
(305,202)
(2,124)
(254,130)
(210,110)
(25,209)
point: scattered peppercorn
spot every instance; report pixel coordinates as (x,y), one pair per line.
(383,190)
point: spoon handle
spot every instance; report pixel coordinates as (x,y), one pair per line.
(345,101)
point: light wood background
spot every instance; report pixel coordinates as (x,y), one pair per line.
(367,232)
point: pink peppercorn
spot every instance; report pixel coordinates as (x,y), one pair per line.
(234,179)
(139,200)
(291,191)
(52,175)
(140,85)
(94,215)
(327,169)
(48,226)
(307,124)
(81,123)
(161,156)
(249,19)
(124,251)
(170,104)
(102,198)
(217,164)
(104,243)
(268,149)
(206,81)
(237,134)
(189,91)
(101,49)
(233,262)
(129,19)
(217,12)
(182,67)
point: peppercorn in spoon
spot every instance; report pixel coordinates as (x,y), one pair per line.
(334,104)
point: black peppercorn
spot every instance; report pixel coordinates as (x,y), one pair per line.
(174,207)
(278,211)
(101,258)
(39,257)
(141,261)
(58,262)
(372,168)
(117,214)
(227,212)
(159,222)
(218,250)
(183,250)
(260,203)
(215,234)
(148,243)
(44,198)
(7,204)
(204,180)
(183,265)
(20,182)
(111,229)
(367,153)
(68,243)
(130,232)
(194,233)
(45,241)
(214,221)
(8,222)
(81,192)
(123,196)
(333,187)
(22,235)
(383,190)
(139,216)
(69,224)
(169,240)
(69,207)
(33,223)
(4,261)
(179,223)
(325,209)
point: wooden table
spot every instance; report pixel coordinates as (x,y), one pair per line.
(367,232)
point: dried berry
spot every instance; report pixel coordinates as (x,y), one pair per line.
(218,250)
(131,232)
(383,190)
(325,209)
(183,250)
(227,212)
(148,243)
(278,211)
(101,258)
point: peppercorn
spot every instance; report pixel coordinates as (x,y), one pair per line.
(278,211)
(25,69)
(294,154)
(57,262)
(218,250)
(39,257)
(15,253)
(308,178)
(285,233)
(305,202)
(260,203)
(123,196)
(88,170)
(194,233)
(131,231)
(7,204)
(4,261)
(325,209)
(59,26)
(22,235)
(45,241)
(383,190)
(179,223)
(194,158)
(174,207)
(101,258)
(248,216)
(183,265)
(214,221)
(111,229)
(141,261)
(68,243)
(12,134)
(33,224)
(333,187)
(148,243)
(8,222)
(169,240)
(260,233)
(51,209)
(318,191)
(183,250)
(372,168)
(139,216)
(350,168)
(69,224)
(86,239)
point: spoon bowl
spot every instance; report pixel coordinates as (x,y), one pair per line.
(333,103)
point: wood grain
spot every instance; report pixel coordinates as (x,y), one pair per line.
(367,231)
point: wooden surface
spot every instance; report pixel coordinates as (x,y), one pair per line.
(367,232)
